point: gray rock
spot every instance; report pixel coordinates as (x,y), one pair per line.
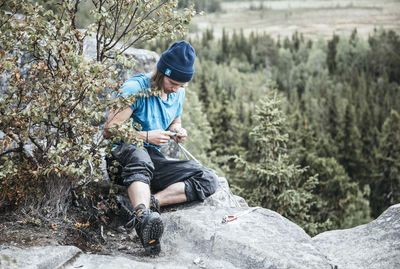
(373,245)
(88,261)
(145,60)
(48,257)
(259,239)
(195,237)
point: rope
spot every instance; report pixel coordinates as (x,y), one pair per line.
(185,151)
(230,194)
(230,218)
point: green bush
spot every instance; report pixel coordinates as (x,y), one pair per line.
(53,106)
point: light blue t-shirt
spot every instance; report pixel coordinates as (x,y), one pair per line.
(152,112)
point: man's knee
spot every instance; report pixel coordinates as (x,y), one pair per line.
(135,164)
(201,186)
(212,182)
(127,181)
(127,154)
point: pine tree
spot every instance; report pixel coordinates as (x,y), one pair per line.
(331,55)
(340,202)
(369,139)
(350,145)
(199,130)
(203,92)
(386,188)
(270,180)
(223,122)
(333,123)
(224,46)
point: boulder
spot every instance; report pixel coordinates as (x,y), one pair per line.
(375,245)
(145,60)
(259,239)
(37,257)
(196,237)
(90,261)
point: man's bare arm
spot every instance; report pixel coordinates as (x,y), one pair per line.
(116,118)
(175,125)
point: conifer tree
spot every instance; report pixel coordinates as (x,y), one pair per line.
(223,121)
(369,138)
(384,59)
(199,130)
(270,180)
(331,55)
(340,202)
(386,188)
(203,92)
(350,145)
(333,123)
(224,46)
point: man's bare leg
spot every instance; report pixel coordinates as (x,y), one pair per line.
(139,193)
(148,225)
(173,194)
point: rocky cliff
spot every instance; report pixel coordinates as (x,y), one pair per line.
(196,237)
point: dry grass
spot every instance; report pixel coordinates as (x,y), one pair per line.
(312,18)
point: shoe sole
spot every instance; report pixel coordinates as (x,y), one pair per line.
(151,235)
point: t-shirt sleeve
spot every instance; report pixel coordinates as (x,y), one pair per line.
(181,100)
(131,88)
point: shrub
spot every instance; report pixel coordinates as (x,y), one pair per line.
(52,106)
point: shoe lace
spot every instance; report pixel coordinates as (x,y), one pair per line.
(155,205)
(136,218)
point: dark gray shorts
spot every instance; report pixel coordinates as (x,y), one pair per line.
(148,165)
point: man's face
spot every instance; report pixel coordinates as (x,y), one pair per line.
(170,85)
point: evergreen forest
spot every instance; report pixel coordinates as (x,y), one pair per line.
(310,129)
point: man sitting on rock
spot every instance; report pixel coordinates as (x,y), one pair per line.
(145,171)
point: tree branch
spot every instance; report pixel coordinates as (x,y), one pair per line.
(10,151)
(126,31)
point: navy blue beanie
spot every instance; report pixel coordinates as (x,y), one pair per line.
(177,61)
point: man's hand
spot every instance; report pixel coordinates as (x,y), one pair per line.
(159,137)
(180,134)
(176,127)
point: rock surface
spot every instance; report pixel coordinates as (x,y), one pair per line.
(145,60)
(36,257)
(375,245)
(260,239)
(195,237)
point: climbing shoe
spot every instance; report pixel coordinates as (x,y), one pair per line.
(149,228)
(155,204)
